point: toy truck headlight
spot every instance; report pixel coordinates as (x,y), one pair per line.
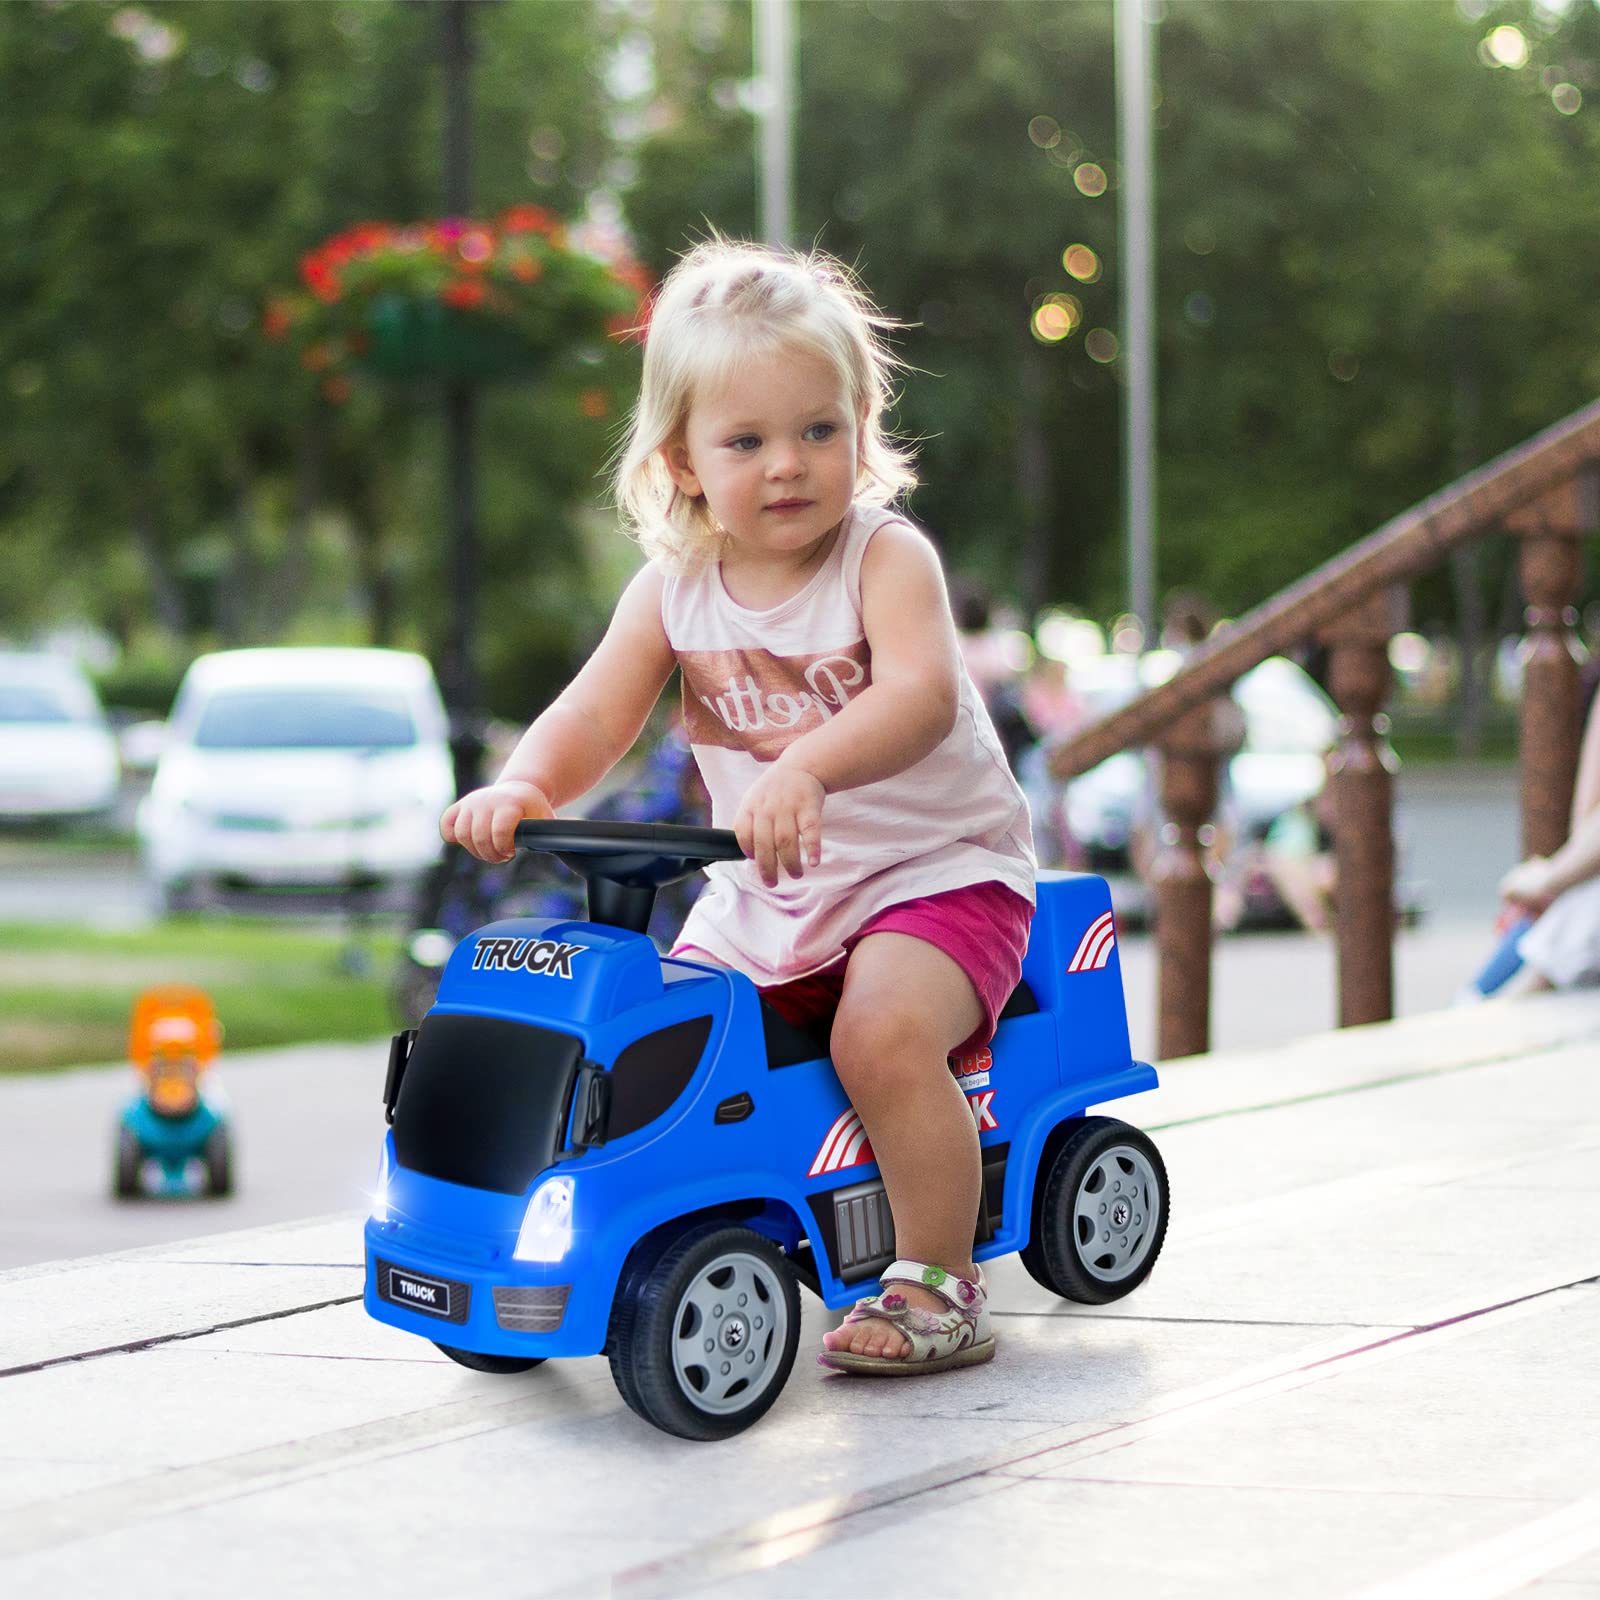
(380,1194)
(546,1233)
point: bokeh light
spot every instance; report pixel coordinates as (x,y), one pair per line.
(1408,652)
(1055,316)
(1200,237)
(1566,98)
(1082,263)
(1507,46)
(1200,309)
(1344,365)
(1090,179)
(1045,132)
(1063,637)
(1101,345)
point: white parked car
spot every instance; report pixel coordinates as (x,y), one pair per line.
(297,769)
(58,756)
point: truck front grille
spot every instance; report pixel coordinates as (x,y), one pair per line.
(531,1310)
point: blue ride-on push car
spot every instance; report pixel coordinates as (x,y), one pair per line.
(595,1148)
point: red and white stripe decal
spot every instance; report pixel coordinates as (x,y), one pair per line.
(845,1146)
(1095,947)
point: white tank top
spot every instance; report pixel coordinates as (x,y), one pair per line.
(755,681)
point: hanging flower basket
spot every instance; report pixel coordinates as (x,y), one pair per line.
(455,300)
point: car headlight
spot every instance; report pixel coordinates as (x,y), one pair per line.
(380,1195)
(546,1233)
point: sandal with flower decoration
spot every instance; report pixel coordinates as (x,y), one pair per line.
(939,1340)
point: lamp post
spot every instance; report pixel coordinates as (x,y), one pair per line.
(462,688)
(1138,305)
(774,53)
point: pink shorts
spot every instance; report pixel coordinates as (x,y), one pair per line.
(983,928)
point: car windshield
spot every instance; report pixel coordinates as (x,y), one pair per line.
(35,702)
(306,719)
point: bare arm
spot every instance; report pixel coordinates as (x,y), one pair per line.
(915,691)
(1534,883)
(588,728)
(908,709)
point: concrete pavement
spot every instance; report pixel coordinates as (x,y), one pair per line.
(1364,1367)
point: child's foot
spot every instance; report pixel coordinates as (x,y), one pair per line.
(873,1336)
(926,1319)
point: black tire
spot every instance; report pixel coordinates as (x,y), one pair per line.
(1076,1249)
(175,899)
(129,1157)
(218,1157)
(482,1363)
(717,1285)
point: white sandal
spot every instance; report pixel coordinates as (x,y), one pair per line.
(959,1337)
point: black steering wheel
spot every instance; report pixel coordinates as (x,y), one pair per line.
(624,863)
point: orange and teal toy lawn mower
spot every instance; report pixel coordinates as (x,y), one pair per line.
(173,1137)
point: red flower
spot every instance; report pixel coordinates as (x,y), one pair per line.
(277,319)
(336,390)
(319,278)
(527,219)
(463,293)
(527,270)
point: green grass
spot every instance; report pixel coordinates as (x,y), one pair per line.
(1427,747)
(66,993)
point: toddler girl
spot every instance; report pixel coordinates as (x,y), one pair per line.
(890,879)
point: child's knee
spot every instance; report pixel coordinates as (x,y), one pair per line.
(874,1047)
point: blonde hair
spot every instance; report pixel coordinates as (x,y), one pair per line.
(723,303)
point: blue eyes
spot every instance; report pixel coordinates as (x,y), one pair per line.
(818,433)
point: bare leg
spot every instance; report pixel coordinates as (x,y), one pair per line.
(906,1006)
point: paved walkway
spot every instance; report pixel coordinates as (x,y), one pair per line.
(1365,1367)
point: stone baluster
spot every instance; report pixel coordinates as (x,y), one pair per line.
(1181,880)
(1551,568)
(1362,771)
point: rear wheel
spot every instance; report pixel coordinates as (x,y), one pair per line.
(482,1363)
(129,1158)
(1100,1213)
(702,1343)
(218,1157)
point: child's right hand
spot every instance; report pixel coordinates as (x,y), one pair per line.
(485,821)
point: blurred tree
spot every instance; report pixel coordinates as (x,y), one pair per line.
(168,166)
(1371,259)
(1374,271)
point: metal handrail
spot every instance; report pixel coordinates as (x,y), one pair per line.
(1403,548)
(1547,493)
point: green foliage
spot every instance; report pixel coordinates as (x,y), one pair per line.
(1373,262)
(1371,258)
(271,984)
(164,470)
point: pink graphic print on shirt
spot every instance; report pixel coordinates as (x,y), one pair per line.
(754,701)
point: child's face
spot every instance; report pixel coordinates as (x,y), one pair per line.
(775,453)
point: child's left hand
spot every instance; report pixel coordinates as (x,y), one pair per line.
(1530,884)
(780,822)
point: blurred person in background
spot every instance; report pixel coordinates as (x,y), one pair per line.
(1188,620)
(988,654)
(1053,712)
(1297,856)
